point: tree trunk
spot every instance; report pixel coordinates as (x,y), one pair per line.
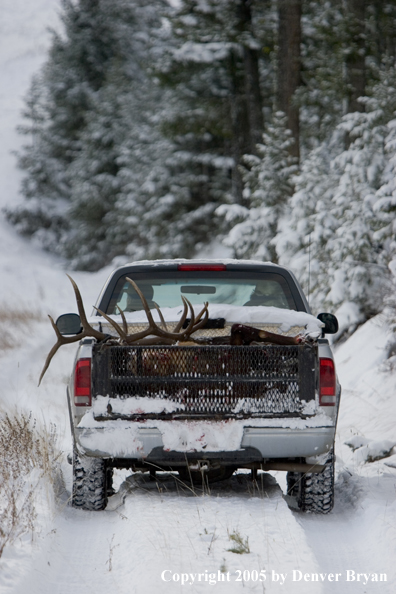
(240,141)
(289,65)
(355,58)
(246,100)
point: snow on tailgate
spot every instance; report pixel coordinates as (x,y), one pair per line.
(123,438)
(283,319)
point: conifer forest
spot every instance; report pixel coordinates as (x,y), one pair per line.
(157,129)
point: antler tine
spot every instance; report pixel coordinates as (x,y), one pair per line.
(61,340)
(124,322)
(161,316)
(144,302)
(153,328)
(184,316)
(191,323)
(84,322)
(204,312)
(116,326)
(201,313)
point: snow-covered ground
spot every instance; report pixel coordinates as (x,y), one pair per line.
(164,537)
(168,528)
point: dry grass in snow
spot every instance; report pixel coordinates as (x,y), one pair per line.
(28,455)
(13,323)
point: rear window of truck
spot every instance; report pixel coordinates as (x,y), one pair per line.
(166,289)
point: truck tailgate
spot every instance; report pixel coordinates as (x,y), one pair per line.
(215,382)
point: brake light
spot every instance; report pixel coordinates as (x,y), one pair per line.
(82,383)
(327,383)
(202,267)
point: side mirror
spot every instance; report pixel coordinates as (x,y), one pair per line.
(330,322)
(69,324)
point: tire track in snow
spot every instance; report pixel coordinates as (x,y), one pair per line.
(360,534)
(162,527)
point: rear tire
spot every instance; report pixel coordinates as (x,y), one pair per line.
(313,492)
(91,480)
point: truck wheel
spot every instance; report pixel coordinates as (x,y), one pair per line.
(313,492)
(91,480)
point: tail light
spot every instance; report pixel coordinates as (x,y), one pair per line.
(82,383)
(202,267)
(327,383)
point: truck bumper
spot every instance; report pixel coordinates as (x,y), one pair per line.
(286,443)
(146,443)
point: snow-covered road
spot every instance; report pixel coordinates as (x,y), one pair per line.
(164,533)
(164,527)
(163,530)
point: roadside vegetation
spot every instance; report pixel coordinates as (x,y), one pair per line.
(28,466)
(11,321)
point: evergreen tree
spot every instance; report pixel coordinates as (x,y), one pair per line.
(215,115)
(344,45)
(356,252)
(95,182)
(65,112)
(335,230)
(268,178)
(119,147)
(322,94)
(308,224)
(384,205)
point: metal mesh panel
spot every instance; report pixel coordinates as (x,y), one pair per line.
(211,380)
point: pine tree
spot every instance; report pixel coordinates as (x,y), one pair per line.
(147,120)
(215,116)
(65,112)
(322,94)
(95,182)
(307,225)
(343,48)
(119,147)
(362,167)
(335,231)
(268,178)
(384,205)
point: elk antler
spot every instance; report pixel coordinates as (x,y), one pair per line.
(193,325)
(88,330)
(153,329)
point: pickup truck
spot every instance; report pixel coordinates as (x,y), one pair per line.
(202,367)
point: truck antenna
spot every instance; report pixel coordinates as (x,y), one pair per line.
(309,270)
